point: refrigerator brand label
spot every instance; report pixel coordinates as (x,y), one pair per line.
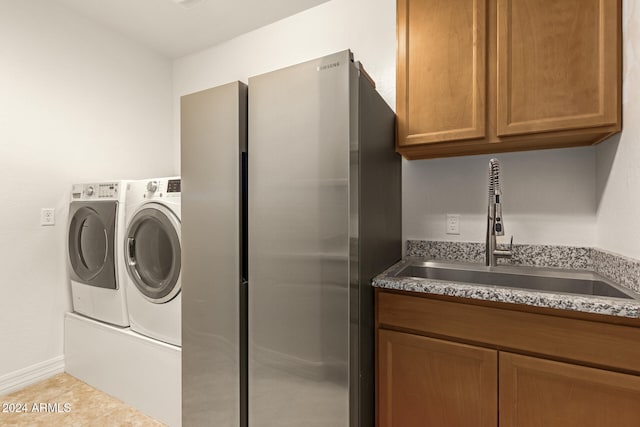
(327,66)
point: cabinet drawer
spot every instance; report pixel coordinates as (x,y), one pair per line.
(590,342)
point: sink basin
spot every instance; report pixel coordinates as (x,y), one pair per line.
(579,282)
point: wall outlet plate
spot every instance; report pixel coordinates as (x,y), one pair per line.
(453,224)
(47,216)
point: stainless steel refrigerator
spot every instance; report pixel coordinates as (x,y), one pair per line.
(324,216)
(213,163)
(293,345)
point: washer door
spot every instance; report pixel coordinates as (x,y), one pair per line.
(153,252)
(91,243)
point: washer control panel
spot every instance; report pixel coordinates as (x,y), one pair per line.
(152,186)
(163,188)
(105,190)
(173,186)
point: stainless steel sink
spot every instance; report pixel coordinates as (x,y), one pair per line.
(579,282)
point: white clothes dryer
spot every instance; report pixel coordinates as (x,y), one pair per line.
(96,230)
(153,258)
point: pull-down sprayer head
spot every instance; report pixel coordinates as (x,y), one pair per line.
(495,196)
(495,227)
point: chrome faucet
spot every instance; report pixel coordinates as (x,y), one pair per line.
(495,225)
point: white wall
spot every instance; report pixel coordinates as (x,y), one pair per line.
(78,103)
(367,27)
(618,171)
(549,195)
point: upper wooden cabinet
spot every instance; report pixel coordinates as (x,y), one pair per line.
(483,76)
(441,70)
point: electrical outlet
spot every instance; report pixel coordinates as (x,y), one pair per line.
(47,216)
(453,224)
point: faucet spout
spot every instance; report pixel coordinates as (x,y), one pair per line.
(495,224)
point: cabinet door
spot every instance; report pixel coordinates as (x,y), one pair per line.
(440,70)
(557,65)
(429,382)
(538,392)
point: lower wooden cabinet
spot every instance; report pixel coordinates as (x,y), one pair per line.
(537,392)
(427,381)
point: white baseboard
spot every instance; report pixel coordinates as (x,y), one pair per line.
(30,375)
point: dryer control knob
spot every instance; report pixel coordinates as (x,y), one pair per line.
(90,190)
(152,186)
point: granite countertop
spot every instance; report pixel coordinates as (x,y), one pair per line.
(625,272)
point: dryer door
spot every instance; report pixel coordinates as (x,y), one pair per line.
(92,243)
(153,252)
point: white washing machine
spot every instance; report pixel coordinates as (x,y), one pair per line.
(153,258)
(96,230)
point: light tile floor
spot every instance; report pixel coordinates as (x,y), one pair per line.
(68,402)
